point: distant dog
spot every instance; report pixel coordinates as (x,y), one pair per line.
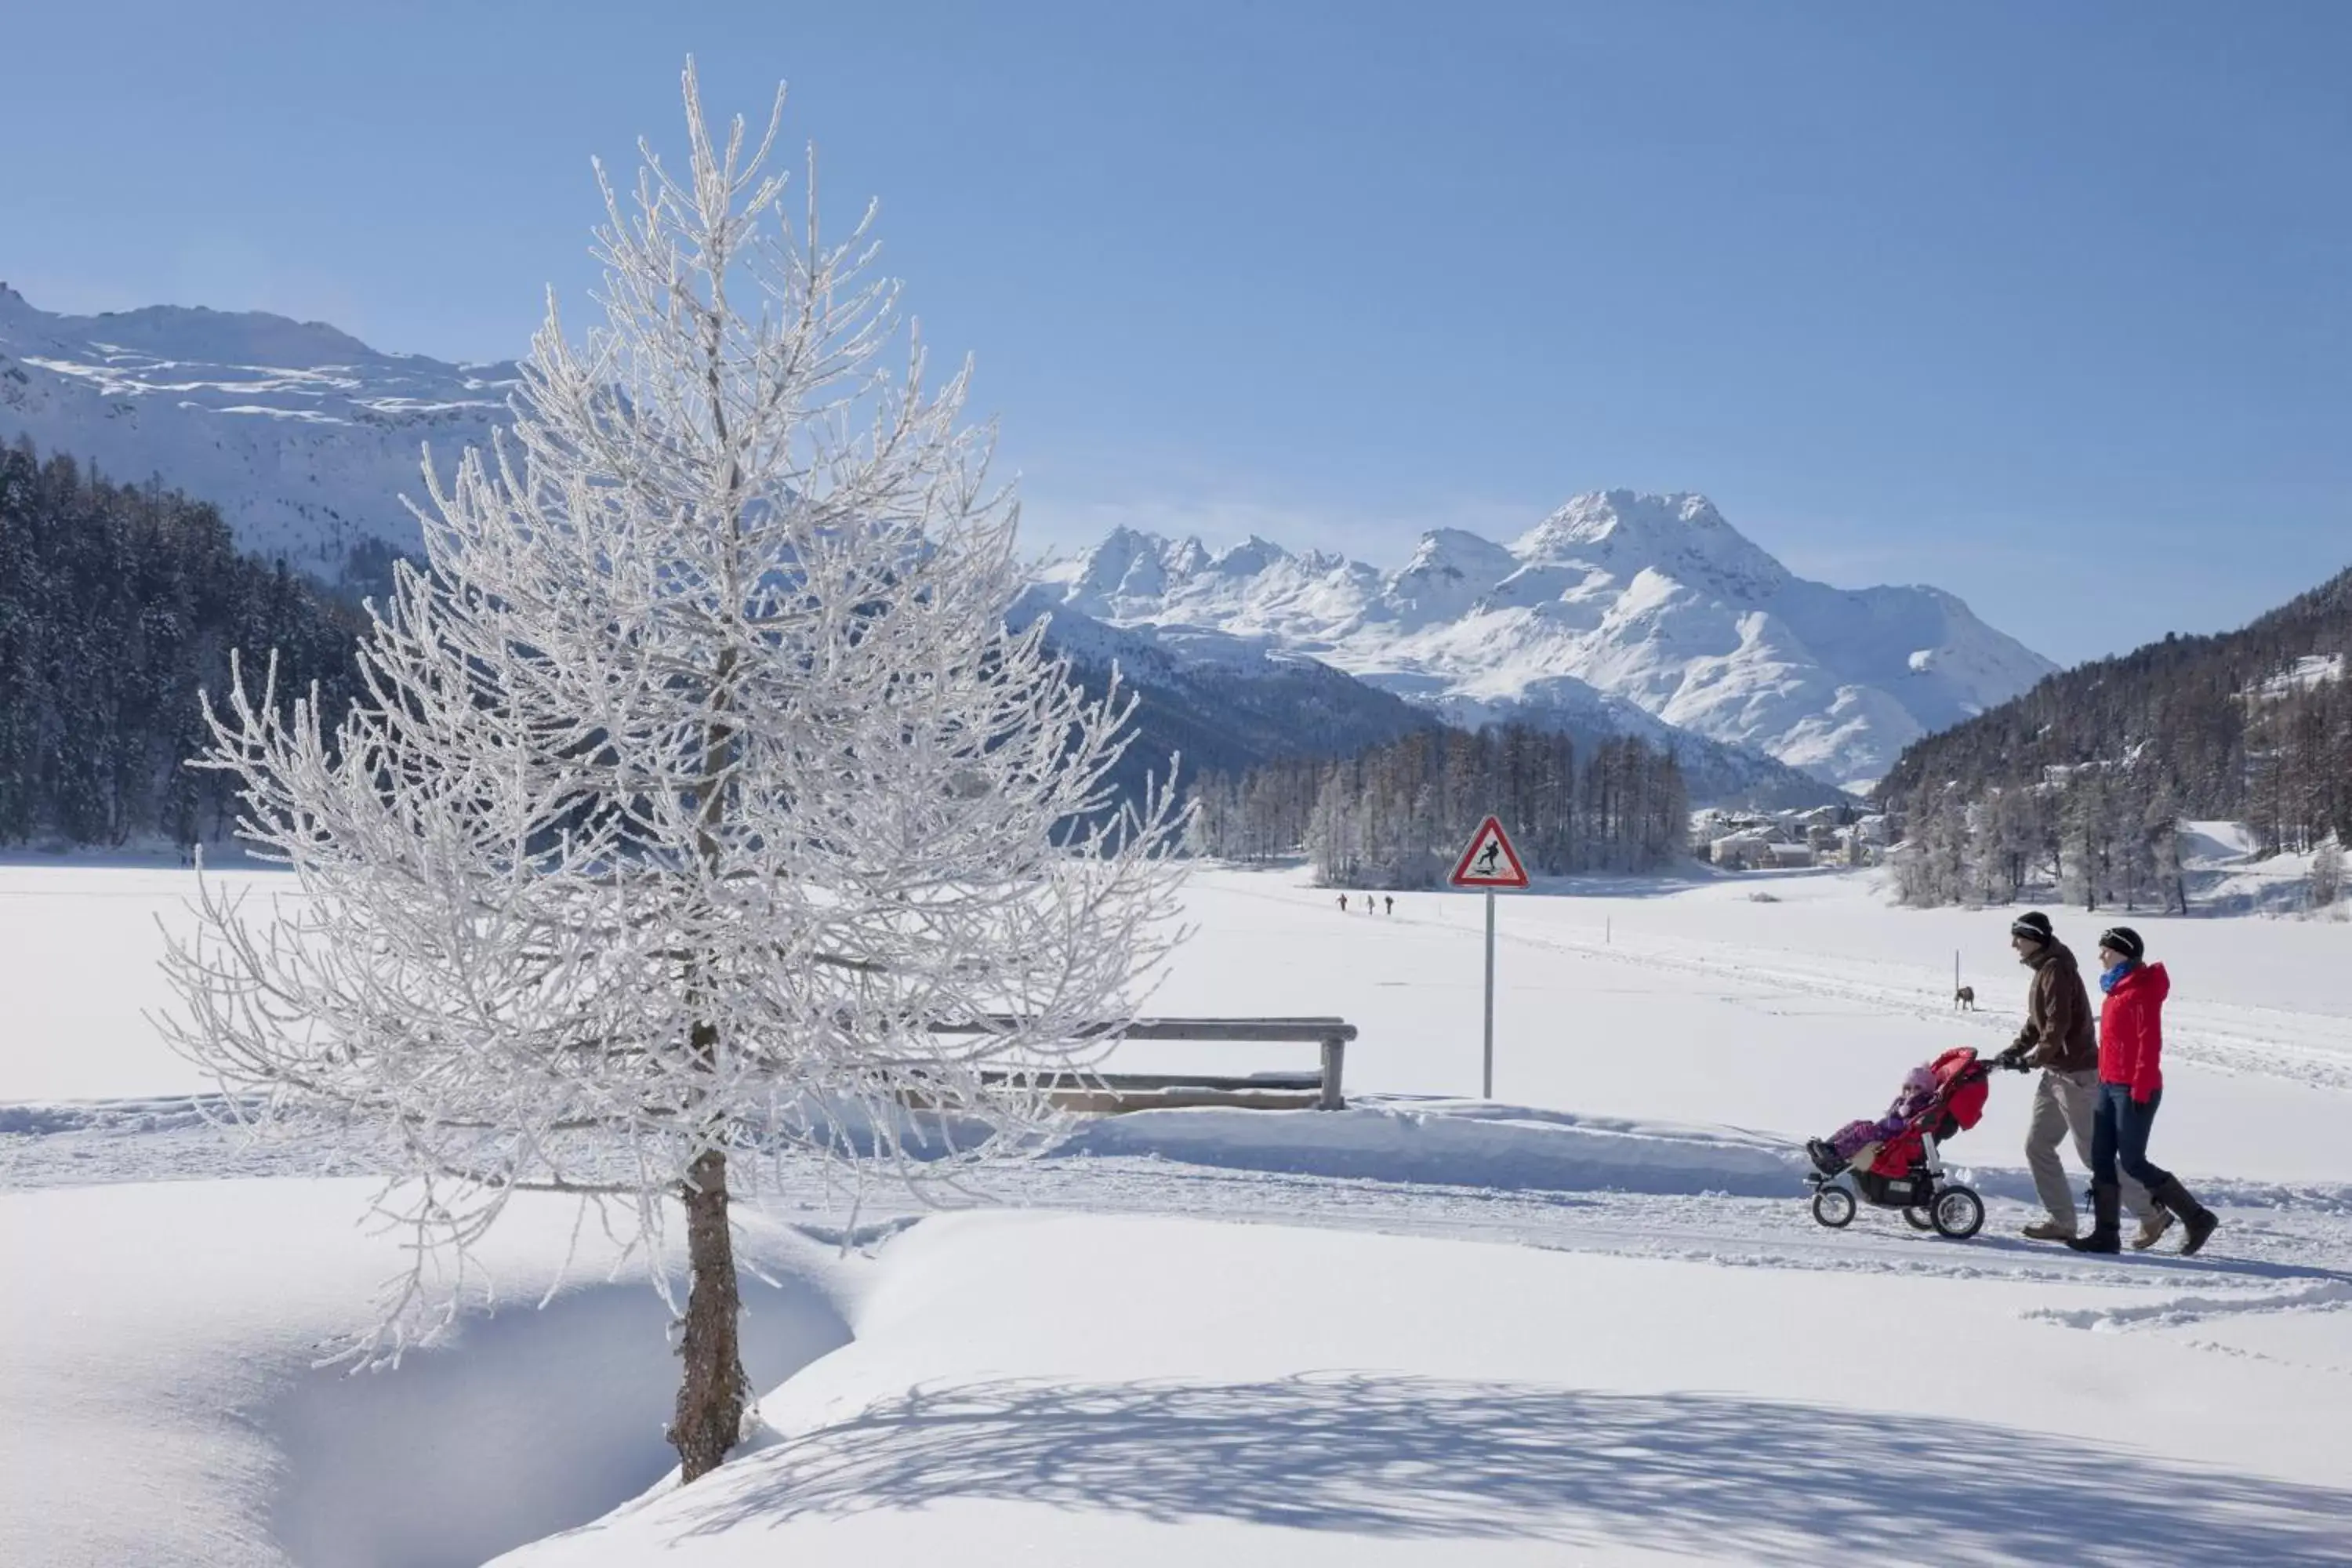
(1964,1000)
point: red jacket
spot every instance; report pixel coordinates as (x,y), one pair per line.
(2131,1031)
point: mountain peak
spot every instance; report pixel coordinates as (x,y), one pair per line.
(1188,558)
(1441,547)
(1622,517)
(1128,561)
(198,332)
(1250,556)
(1452,561)
(1682,536)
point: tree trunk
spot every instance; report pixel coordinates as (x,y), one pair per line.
(711,1398)
(712,1395)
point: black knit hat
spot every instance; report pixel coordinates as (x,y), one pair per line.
(2124,940)
(2033,925)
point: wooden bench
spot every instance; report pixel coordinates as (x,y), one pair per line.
(1112,1092)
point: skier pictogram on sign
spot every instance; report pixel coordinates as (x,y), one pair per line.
(1490,861)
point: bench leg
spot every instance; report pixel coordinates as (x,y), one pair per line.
(1335,1056)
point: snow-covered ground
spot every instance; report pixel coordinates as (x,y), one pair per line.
(1589,1321)
(2226,873)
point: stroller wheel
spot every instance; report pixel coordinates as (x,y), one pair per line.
(1958,1213)
(1918,1219)
(1833,1207)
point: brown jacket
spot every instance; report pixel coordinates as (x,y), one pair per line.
(2057,1032)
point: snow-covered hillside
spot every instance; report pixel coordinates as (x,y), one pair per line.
(1229,702)
(304,438)
(1618,605)
(1213,703)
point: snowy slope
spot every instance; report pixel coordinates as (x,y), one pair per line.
(1230,700)
(1615,601)
(304,438)
(1213,703)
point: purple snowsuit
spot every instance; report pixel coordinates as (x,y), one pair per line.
(1918,1089)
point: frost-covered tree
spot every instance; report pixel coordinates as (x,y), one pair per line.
(2326,875)
(2012,824)
(2160,827)
(695,784)
(2084,839)
(117,603)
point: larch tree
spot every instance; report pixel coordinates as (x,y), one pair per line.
(694,784)
(2326,875)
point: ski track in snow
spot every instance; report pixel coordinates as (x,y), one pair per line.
(2298,1048)
(2321,1295)
(2280,1249)
(2314,1050)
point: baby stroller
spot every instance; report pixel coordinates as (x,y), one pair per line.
(1901,1170)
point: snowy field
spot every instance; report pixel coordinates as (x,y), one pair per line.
(1590,1322)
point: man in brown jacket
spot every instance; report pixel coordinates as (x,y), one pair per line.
(2058,1040)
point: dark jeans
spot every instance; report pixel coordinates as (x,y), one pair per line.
(2119,1129)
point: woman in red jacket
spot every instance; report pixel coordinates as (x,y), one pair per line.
(2131,1086)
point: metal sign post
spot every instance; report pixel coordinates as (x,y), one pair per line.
(1487,1091)
(1489,863)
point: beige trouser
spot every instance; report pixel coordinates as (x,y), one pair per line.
(2062,1106)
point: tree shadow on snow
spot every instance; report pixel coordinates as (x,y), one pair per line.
(1762,1481)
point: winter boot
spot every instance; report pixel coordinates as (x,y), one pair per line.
(2106,1208)
(2196,1219)
(2152,1228)
(2049,1230)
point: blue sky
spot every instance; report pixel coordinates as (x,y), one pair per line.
(2050,306)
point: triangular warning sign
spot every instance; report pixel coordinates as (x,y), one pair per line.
(1490,861)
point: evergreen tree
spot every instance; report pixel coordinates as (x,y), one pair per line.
(1395,814)
(117,605)
(2254,725)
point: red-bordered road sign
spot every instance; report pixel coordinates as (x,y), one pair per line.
(1490,861)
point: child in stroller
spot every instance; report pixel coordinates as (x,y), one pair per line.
(1892,1163)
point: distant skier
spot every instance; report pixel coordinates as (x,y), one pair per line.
(1391,902)
(1343,903)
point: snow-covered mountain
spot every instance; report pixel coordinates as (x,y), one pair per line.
(1620,611)
(1231,702)
(1225,704)
(1618,614)
(303,437)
